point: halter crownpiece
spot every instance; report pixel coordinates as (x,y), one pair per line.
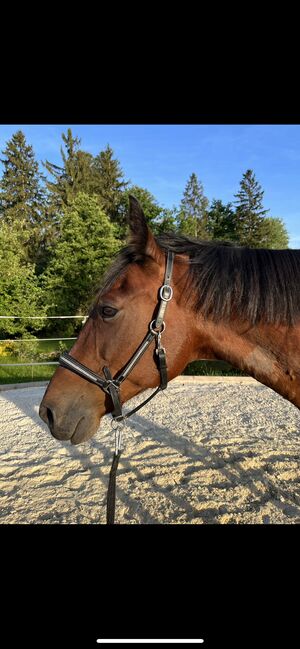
(111,385)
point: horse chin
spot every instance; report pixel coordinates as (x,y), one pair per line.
(84,431)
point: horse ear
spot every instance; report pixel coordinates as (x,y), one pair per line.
(140,234)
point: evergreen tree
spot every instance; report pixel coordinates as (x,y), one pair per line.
(109,185)
(192,215)
(84,249)
(22,196)
(75,175)
(249,210)
(48,236)
(221,223)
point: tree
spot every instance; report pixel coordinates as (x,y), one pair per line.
(22,196)
(249,210)
(273,233)
(193,209)
(83,251)
(150,206)
(221,223)
(109,185)
(167,221)
(20,293)
(74,176)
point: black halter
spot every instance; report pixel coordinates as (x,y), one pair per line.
(112,385)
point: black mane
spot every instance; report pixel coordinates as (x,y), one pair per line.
(258,284)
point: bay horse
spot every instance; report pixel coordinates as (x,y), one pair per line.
(229,303)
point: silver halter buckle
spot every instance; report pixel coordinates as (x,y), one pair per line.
(161,291)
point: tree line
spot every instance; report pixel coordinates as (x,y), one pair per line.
(60,230)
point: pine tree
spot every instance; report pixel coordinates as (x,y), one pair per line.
(109,185)
(193,209)
(22,196)
(73,176)
(249,210)
(221,222)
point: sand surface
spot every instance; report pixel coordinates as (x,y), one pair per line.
(212,451)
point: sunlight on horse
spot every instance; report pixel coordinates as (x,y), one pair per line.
(230,303)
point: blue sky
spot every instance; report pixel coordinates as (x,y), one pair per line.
(161,158)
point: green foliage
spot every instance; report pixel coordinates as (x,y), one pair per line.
(83,251)
(151,208)
(273,234)
(28,349)
(167,221)
(20,293)
(109,185)
(212,368)
(22,196)
(249,211)
(57,236)
(99,176)
(153,211)
(26,374)
(63,346)
(221,222)
(192,215)
(75,175)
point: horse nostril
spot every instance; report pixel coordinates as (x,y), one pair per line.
(50,418)
(46,415)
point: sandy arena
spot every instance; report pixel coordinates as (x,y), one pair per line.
(210,450)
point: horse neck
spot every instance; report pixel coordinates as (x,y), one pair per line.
(269,353)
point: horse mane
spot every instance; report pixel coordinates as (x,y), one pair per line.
(256,283)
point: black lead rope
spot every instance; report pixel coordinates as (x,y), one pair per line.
(112,385)
(111,491)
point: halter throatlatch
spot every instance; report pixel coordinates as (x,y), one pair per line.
(112,385)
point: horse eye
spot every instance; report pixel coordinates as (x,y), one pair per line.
(108,311)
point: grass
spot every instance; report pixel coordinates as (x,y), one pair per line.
(26,374)
(48,350)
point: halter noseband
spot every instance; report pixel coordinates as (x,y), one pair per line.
(112,385)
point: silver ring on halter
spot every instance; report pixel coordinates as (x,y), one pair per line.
(153,331)
(161,290)
(117,424)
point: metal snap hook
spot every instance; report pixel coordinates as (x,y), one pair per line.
(115,424)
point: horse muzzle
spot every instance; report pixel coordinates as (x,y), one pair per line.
(73,425)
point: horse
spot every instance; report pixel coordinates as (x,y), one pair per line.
(229,302)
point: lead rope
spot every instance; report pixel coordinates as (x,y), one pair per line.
(111,491)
